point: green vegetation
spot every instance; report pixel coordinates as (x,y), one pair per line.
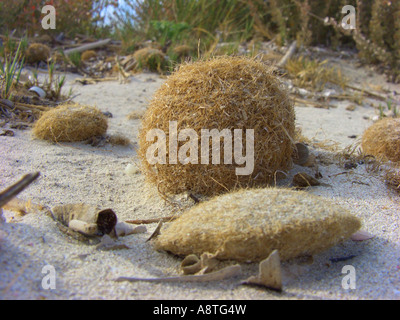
(10,72)
(203,24)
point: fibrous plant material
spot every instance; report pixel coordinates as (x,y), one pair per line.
(88,54)
(151,59)
(221,94)
(313,73)
(37,52)
(248,225)
(136,114)
(382,140)
(118,140)
(70,122)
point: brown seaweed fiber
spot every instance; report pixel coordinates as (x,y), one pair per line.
(221,93)
(37,52)
(88,54)
(382,140)
(248,225)
(70,123)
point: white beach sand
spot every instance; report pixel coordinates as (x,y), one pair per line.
(80,173)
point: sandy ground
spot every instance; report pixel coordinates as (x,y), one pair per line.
(80,173)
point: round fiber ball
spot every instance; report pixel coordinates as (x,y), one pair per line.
(37,52)
(88,54)
(151,59)
(69,123)
(382,140)
(248,225)
(224,93)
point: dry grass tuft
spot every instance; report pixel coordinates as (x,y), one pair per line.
(313,73)
(70,122)
(249,224)
(151,59)
(221,93)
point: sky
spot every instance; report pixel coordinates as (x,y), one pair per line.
(108,12)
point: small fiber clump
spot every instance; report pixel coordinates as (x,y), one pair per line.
(382,140)
(69,123)
(151,59)
(248,225)
(37,52)
(221,95)
(88,54)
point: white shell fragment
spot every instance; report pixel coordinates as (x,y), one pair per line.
(89,229)
(362,235)
(131,169)
(270,274)
(125,229)
(222,274)
(39,91)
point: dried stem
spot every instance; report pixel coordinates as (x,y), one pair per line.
(12,191)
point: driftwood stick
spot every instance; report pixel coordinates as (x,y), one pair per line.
(312,103)
(225,273)
(88,46)
(149,221)
(288,55)
(9,193)
(369,93)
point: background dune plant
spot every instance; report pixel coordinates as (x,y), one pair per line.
(204,23)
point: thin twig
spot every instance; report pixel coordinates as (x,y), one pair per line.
(288,55)
(12,191)
(149,221)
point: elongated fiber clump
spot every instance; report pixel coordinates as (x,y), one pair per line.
(248,225)
(69,123)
